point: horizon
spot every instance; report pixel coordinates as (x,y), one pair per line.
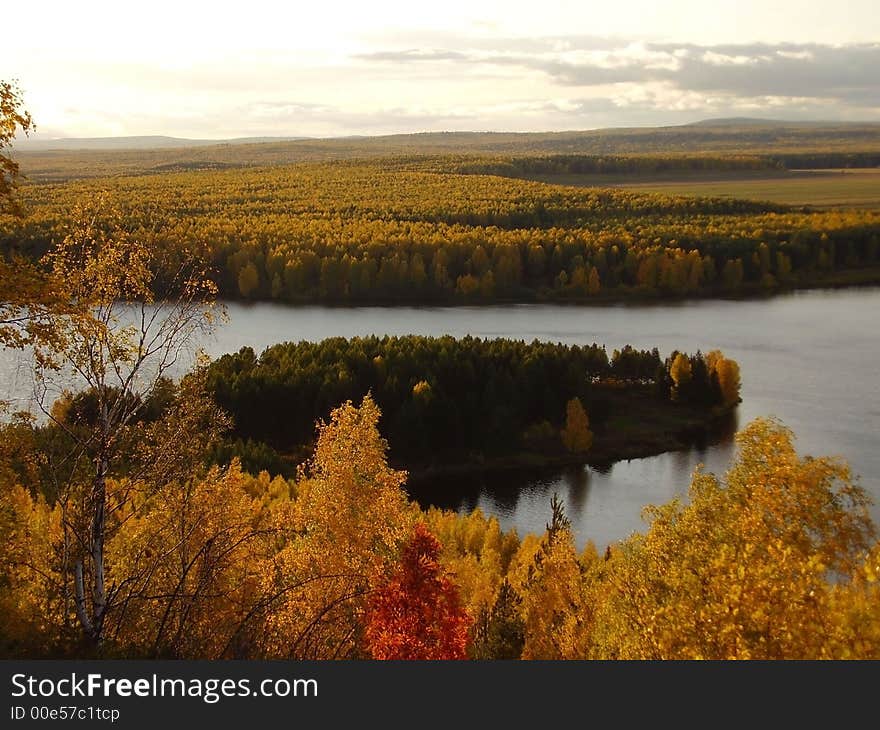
(35,140)
(392,68)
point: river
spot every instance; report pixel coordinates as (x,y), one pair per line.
(810,359)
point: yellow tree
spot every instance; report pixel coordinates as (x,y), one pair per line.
(248,279)
(344,533)
(32,592)
(854,626)
(29,305)
(747,568)
(593,283)
(476,552)
(727,372)
(555,608)
(187,560)
(135,311)
(576,434)
(27,301)
(681,373)
(13,119)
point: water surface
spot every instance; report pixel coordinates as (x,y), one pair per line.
(807,358)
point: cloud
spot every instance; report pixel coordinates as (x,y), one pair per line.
(267,117)
(437,80)
(845,74)
(413,54)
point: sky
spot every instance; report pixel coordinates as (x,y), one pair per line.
(219,70)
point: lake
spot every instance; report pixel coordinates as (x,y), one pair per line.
(811,359)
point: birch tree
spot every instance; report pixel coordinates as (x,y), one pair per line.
(135,312)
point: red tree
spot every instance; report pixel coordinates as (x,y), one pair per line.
(417,614)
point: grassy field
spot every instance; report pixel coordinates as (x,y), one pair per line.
(820,188)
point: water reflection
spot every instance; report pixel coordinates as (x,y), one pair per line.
(577,483)
(603,502)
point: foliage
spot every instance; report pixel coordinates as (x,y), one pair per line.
(417,231)
(33,603)
(188,558)
(121,357)
(342,535)
(13,119)
(499,632)
(27,302)
(779,560)
(576,435)
(681,374)
(555,607)
(476,552)
(758,566)
(727,373)
(444,398)
(118,539)
(416,614)
(711,379)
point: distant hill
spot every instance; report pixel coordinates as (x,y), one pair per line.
(760,122)
(149,142)
(486,141)
(66,159)
(744,122)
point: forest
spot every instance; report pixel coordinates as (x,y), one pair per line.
(408,231)
(255,507)
(777,559)
(569,164)
(450,402)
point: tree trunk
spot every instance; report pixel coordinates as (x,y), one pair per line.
(93,625)
(99,502)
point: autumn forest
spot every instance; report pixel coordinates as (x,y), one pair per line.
(156,502)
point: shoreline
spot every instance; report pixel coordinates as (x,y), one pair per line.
(607,453)
(845,279)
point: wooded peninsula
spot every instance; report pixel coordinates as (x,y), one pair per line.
(454,404)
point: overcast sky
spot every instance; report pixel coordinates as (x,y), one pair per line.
(219,70)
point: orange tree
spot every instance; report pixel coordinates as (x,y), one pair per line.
(416,614)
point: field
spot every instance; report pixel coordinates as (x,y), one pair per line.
(855,188)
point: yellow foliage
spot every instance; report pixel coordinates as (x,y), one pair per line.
(728,380)
(190,558)
(422,390)
(593,284)
(556,605)
(777,560)
(681,373)
(727,373)
(475,552)
(744,571)
(346,528)
(404,229)
(576,434)
(36,620)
